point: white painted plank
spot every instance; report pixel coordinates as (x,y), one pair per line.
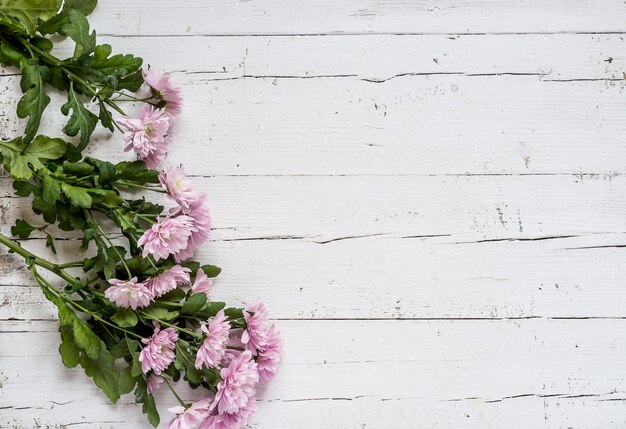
(407,125)
(377,57)
(346,374)
(175,17)
(395,278)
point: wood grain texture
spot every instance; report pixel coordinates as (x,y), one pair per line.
(460,373)
(232,17)
(429,195)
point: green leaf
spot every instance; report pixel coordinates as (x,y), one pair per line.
(103,372)
(118,65)
(22,188)
(86,339)
(211,270)
(137,172)
(175,295)
(79,169)
(160,313)
(48,211)
(185,361)
(18,156)
(78,30)
(133,346)
(126,382)
(149,407)
(194,303)
(35,100)
(45,148)
(70,353)
(78,196)
(51,189)
(211,310)
(22,229)
(125,318)
(234,313)
(29,12)
(56,23)
(81,119)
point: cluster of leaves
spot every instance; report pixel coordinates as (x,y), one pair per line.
(91,71)
(75,193)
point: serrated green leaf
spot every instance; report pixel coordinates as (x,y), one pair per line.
(81,120)
(78,30)
(29,12)
(103,372)
(70,353)
(125,318)
(35,100)
(22,188)
(45,148)
(51,189)
(79,169)
(22,229)
(194,303)
(48,211)
(78,196)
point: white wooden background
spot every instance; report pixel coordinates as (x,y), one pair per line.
(430,195)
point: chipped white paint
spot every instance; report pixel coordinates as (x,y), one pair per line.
(436,218)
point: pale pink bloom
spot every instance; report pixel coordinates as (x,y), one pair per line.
(128,293)
(167,236)
(199,211)
(177,185)
(269,357)
(213,347)
(158,353)
(154,383)
(168,280)
(190,417)
(147,135)
(235,420)
(165,92)
(238,384)
(255,335)
(202,283)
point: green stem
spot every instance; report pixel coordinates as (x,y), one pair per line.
(28,256)
(174,392)
(134,185)
(104,235)
(178,328)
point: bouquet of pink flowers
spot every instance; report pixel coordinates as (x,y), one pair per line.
(148,318)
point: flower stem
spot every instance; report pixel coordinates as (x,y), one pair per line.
(28,256)
(180,401)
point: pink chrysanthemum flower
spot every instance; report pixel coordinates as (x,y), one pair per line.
(154,383)
(235,420)
(128,293)
(168,280)
(199,211)
(238,384)
(269,357)
(213,347)
(165,92)
(255,335)
(167,236)
(147,135)
(158,353)
(178,186)
(202,283)
(190,417)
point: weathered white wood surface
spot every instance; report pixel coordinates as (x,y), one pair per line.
(436,218)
